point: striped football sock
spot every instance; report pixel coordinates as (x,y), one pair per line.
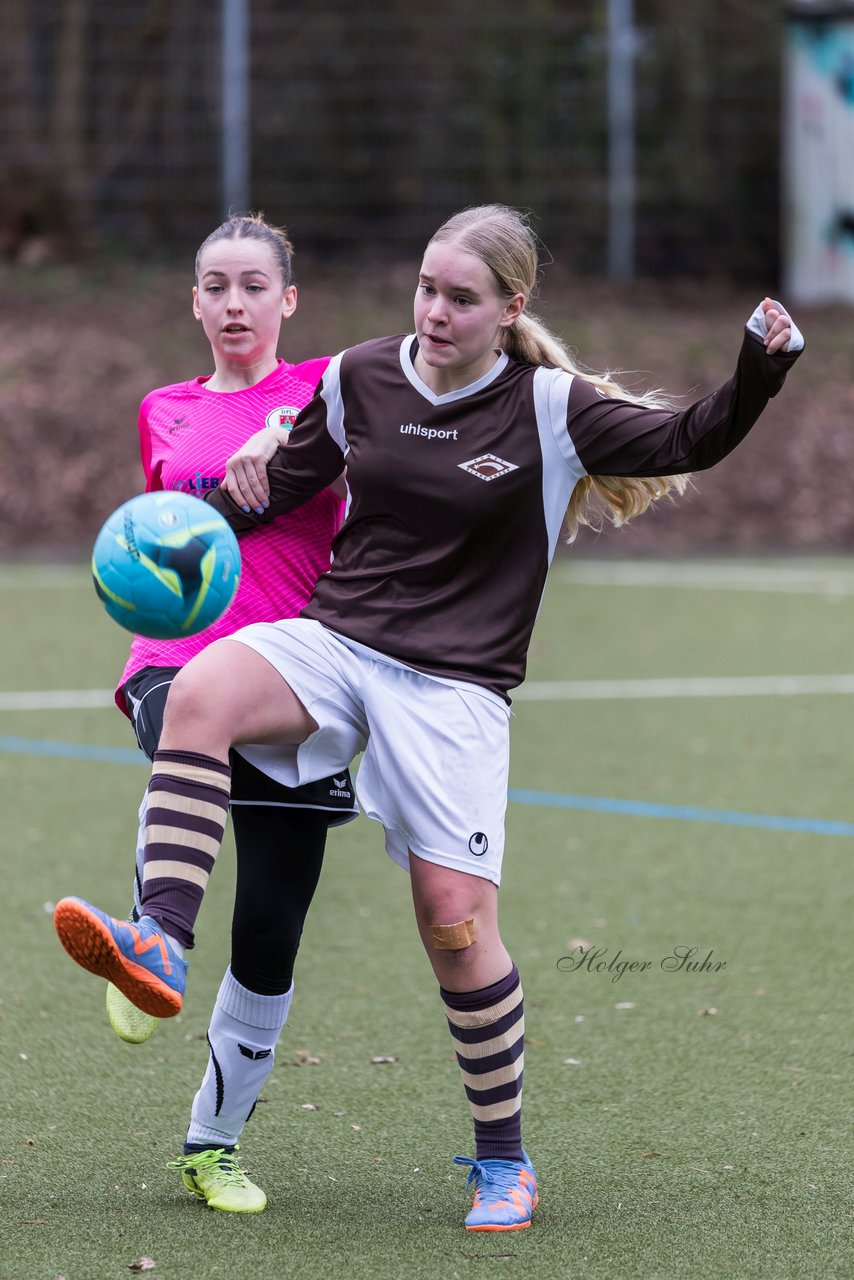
(488,1031)
(184,824)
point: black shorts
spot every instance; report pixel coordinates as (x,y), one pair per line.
(145,698)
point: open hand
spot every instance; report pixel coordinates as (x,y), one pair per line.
(246,470)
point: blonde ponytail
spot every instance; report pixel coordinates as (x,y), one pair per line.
(595,499)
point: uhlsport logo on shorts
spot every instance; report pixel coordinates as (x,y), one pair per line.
(487,467)
(478,844)
(284,417)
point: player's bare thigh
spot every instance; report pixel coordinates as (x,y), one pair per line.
(228,694)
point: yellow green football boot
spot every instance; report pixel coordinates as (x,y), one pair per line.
(215,1176)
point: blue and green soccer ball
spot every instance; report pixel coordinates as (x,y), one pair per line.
(166,565)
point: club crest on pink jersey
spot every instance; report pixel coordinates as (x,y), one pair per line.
(284,417)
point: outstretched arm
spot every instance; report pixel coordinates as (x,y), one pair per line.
(616,438)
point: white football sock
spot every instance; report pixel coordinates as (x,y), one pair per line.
(242,1037)
(140,858)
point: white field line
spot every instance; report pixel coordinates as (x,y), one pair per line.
(534,691)
(787,577)
(797,576)
(57,700)
(774,577)
(689,687)
(44,577)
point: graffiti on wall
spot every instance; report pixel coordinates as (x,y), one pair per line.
(819,160)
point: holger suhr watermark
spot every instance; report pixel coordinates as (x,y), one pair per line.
(586,958)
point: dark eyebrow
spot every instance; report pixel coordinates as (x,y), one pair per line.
(455,288)
(253,271)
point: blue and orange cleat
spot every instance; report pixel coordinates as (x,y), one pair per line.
(505,1194)
(136,958)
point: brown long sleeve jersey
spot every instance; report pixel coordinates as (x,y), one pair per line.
(456,501)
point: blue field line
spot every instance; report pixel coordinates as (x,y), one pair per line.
(72,750)
(542,799)
(681,812)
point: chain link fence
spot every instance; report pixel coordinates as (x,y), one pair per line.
(370,124)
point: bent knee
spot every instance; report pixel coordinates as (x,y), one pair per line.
(454,937)
(465,898)
(456,910)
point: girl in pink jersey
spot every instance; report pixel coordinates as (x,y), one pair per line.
(243,290)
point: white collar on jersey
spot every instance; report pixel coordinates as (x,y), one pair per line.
(410,344)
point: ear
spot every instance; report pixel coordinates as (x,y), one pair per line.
(512,310)
(197,311)
(289,301)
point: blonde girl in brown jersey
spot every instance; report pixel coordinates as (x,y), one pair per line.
(347,677)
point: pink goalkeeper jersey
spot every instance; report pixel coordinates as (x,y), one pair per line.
(187,434)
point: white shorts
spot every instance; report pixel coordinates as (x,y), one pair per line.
(436,762)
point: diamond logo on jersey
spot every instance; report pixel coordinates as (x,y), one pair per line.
(488,467)
(284,417)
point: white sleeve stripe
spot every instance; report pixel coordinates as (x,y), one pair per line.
(562,468)
(331,395)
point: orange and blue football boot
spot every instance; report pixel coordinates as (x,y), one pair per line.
(505,1193)
(136,958)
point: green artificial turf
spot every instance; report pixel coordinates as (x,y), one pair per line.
(683,1124)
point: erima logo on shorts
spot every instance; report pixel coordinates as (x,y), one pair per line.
(488,467)
(284,417)
(340,788)
(478,844)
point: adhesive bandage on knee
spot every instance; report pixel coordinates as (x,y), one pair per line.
(453,937)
